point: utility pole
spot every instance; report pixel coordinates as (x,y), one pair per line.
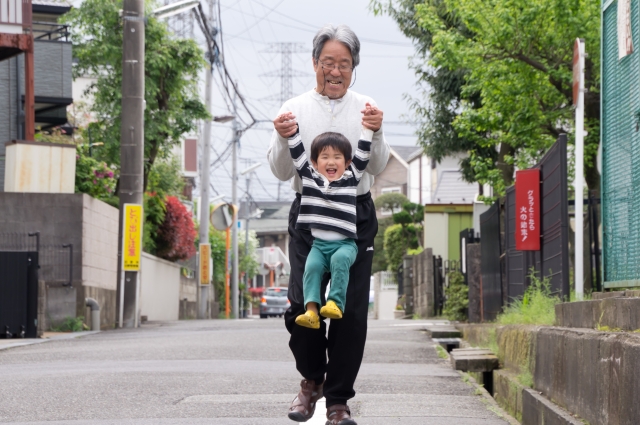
(203,309)
(131,145)
(234,201)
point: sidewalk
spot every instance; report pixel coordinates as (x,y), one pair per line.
(47,336)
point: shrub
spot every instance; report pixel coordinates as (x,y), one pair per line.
(537,306)
(177,234)
(154,212)
(93,177)
(457,298)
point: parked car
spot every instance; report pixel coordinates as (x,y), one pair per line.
(274,302)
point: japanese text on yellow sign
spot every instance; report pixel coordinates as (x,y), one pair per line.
(205,273)
(132,235)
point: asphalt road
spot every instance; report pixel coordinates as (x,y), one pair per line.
(224,372)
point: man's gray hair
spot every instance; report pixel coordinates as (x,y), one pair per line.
(341,33)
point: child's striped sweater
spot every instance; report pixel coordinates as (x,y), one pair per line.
(329,205)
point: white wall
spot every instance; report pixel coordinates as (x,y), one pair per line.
(160,289)
(413,181)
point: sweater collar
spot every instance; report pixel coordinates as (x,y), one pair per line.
(323,99)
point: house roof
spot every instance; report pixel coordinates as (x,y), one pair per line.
(54,7)
(405,152)
(274,219)
(453,190)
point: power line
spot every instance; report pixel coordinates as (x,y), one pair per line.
(286,72)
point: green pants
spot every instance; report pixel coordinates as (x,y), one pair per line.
(335,257)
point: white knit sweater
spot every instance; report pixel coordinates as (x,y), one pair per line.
(314,116)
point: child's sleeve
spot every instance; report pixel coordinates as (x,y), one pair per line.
(299,155)
(363,153)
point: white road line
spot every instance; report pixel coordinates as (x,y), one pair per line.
(320,416)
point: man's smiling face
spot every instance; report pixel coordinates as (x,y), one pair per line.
(331,163)
(330,81)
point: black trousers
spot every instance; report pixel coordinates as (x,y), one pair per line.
(344,345)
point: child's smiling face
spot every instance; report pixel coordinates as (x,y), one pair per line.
(331,163)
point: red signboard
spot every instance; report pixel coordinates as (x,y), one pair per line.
(528,210)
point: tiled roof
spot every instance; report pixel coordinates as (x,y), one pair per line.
(453,190)
(405,152)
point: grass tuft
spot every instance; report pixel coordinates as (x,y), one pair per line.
(442,353)
(537,307)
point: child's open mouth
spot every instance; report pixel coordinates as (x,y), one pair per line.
(331,172)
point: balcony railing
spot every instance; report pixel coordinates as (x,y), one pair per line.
(50,31)
(15,15)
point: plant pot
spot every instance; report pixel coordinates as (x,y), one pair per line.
(398,314)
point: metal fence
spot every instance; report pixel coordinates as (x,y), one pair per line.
(491,263)
(552,261)
(620,153)
(55,260)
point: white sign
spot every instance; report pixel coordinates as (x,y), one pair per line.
(625,39)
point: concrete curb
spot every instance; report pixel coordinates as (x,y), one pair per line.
(5,345)
(537,410)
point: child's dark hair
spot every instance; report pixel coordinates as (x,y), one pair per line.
(330,139)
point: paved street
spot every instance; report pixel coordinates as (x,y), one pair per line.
(224,372)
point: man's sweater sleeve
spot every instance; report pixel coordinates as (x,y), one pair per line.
(379,153)
(363,154)
(278,155)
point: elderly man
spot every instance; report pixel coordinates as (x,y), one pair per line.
(330,106)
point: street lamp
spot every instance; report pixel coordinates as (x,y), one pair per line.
(224,118)
(256,214)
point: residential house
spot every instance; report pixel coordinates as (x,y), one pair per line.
(448,201)
(393,179)
(52,77)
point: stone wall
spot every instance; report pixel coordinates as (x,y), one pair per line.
(423,298)
(188,298)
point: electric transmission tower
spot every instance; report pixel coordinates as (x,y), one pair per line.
(286,71)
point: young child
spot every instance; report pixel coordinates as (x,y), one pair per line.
(328,209)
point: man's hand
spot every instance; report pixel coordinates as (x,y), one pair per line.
(285,124)
(372,118)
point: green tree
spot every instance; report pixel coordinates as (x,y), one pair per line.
(515,61)
(397,245)
(410,218)
(379,254)
(171,80)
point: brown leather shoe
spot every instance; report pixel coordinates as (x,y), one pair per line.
(339,414)
(304,405)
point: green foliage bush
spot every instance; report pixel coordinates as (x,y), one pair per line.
(457,298)
(537,306)
(70,324)
(93,177)
(154,212)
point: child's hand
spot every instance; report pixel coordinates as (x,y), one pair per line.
(285,124)
(372,117)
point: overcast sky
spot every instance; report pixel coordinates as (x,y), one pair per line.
(250,26)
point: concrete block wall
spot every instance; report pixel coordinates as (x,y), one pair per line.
(99,244)
(90,225)
(188,297)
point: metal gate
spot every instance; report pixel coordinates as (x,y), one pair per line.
(490,262)
(438,286)
(552,260)
(18,294)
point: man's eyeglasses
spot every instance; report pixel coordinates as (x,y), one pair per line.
(327,66)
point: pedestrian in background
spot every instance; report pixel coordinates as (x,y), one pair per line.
(330,363)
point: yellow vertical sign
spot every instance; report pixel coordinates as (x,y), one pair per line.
(132,235)
(205,271)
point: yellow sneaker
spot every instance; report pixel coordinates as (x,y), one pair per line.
(331,311)
(309,320)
